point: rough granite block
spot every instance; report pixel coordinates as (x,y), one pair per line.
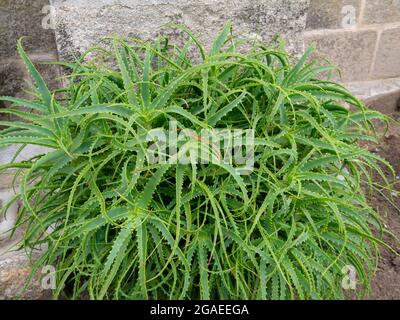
(20,18)
(330,14)
(381,11)
(387,63)
(30,12)
(352,51)
(15,267)
(5,31)
(80,24)
(11,80)
(381,95)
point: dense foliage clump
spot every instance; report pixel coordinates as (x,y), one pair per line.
(119,227)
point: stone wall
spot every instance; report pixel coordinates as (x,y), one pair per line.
(23,18)
(361,36)
(80,23)
(20,18)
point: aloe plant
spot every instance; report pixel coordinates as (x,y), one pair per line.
(118,227)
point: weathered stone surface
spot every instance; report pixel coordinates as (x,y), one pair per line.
(80,24)
(4,4)
(11,80)
(388,103)
(5,35)
(24,18)
(30,12)
(16,82)
(7,221)
(330,14)
(352,51)
(15,268)
(387,64)
(381,11)
(9,185)
(381,95)
(10,71)
(7,153)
